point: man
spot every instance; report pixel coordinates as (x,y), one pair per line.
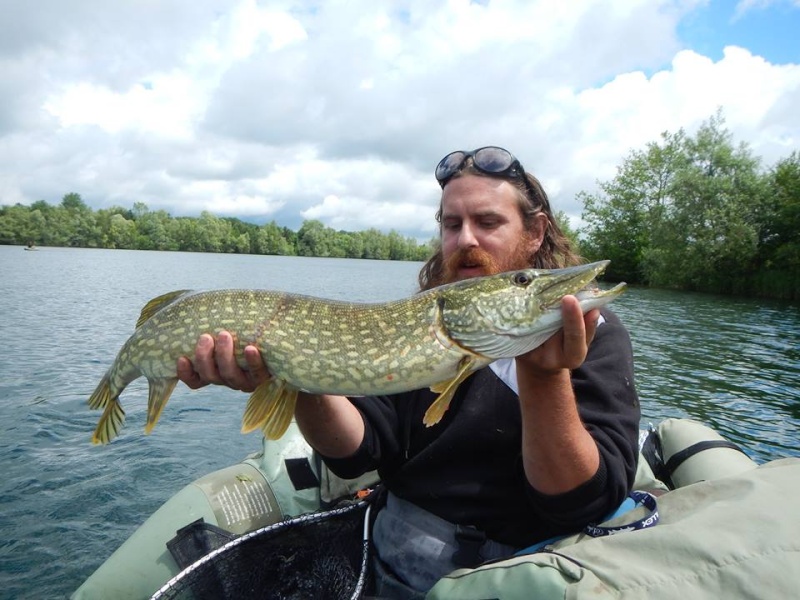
(530,448)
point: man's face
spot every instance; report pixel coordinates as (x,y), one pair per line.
(482,228)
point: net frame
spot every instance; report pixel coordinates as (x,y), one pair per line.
(182,585)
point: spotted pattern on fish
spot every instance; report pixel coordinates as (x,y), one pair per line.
(433,339)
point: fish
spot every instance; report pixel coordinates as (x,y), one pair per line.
(434,339)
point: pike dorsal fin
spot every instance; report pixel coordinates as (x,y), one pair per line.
(156,304)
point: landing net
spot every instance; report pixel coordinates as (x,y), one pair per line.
(320,555)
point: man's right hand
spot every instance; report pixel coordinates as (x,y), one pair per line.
(215,362)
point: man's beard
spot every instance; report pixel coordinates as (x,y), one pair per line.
(520,258)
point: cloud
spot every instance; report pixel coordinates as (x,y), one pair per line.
(339,111)
(746,6)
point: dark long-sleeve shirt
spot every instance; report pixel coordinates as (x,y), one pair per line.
(468,468)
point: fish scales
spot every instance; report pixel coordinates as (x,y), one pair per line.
(433,339)
(297,348)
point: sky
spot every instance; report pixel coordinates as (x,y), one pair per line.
(340,110)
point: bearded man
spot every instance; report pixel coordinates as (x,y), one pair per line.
(530,448)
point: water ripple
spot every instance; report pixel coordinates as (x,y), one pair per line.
(731,363)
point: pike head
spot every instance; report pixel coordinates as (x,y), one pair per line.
(508,314)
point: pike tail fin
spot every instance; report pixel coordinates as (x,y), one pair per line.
(113,416)
(101,395)
(110,423)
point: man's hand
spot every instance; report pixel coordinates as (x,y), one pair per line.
(568,347)
(558,452)
(215,362)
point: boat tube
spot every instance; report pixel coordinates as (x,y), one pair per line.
(286,480)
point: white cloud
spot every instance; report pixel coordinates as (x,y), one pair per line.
(339,110)
(164,107)
(745,6)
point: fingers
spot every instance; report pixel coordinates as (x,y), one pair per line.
(230,373)
(188,375)
(256,369)
(567,349)
(205,360)
(215,362)
(578,331)
(590,320)
(203,371)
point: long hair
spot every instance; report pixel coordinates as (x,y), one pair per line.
(555,251)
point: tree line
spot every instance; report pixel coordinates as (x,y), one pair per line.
(698,212)
(692,212)
(72,223)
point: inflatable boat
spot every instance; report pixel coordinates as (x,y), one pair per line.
(724,527)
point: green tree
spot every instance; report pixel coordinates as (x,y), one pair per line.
(563,222)
(628,218)
(187,234)
(779,245)
(74,202)
(271,239)
(154,230)
(216,233)
(717,196)
(78,223)
(16,225)
(353,244)
(121,232)
(376,245)
(315,239)
(682,213)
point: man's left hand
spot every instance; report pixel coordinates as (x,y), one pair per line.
(567,348)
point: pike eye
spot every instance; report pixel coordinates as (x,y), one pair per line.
(521,279)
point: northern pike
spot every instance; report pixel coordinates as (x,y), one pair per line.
(435,339)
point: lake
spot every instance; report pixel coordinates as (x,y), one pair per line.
(66,505)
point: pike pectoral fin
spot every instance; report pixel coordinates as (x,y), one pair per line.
(160,391)
(446,389)
(270,407)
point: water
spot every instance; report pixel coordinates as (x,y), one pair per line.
(65,505)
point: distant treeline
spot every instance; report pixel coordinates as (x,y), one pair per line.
(699,213)
(72,223)
(687,212)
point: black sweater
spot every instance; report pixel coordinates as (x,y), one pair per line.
(468,467)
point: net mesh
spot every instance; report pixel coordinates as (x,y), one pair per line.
(321,555)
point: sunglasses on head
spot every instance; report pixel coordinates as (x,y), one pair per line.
(492,160)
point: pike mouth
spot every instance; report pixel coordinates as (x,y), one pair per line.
(563,285)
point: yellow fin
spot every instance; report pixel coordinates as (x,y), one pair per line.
(101,395)
(281,415)
(270,407)
(110,423)
(441,387)
(156,304)
(258,405)
(446,389)
(160,391)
